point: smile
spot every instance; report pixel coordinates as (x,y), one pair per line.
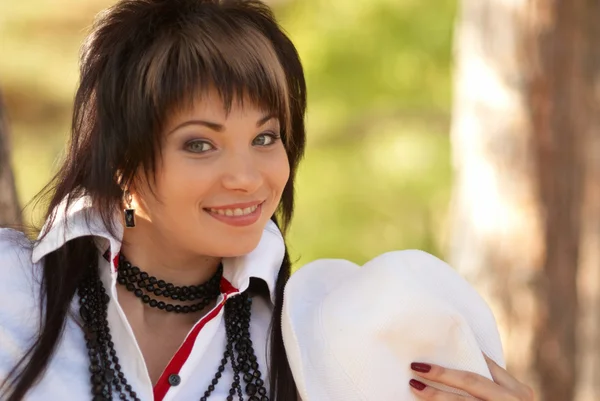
(235,212)
(244,215)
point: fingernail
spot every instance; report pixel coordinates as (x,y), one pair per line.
(417,384)
(420,367)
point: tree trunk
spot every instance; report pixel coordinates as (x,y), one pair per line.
(524,95)
(589,277)
(496,231)
(9,205)
(559,105)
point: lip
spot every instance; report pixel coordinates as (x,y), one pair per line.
(238,221)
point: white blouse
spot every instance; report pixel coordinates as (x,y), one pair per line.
(191,369)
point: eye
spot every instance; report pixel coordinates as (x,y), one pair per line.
(198,146)
(266,139)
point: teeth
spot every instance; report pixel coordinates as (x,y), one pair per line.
(234,212)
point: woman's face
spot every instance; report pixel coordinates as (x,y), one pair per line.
(219,179)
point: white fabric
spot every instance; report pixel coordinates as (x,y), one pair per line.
(352,332)
(67,377)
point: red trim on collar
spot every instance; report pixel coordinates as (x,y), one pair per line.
(106,256)
(174,367)
(226,287)
(116,261)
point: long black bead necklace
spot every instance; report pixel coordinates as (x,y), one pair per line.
(105,371)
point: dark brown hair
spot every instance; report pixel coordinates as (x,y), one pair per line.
(143,60)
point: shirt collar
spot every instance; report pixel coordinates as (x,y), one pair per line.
(81,219)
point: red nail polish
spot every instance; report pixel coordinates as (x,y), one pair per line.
(417,384)
(420,367)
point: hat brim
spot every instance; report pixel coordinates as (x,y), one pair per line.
(351,332)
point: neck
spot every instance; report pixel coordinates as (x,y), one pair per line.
(158,257)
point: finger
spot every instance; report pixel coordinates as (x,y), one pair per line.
(472,383)
(425,392)
(500,376)
(505,379)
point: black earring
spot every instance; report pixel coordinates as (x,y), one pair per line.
(129,212)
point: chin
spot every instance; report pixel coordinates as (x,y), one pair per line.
(233,245)
(228,251)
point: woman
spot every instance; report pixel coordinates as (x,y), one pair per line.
(159,273)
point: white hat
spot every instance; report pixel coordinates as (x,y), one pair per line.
(351,332)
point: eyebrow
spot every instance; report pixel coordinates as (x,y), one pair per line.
(216,126)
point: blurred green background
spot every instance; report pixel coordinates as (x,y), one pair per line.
(377,172)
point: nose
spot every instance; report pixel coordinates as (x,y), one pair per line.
(242,173)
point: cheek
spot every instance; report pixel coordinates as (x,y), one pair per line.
(279,171)
(180,185)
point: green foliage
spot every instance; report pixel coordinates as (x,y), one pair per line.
(368,56)
(377,174)
(386,191)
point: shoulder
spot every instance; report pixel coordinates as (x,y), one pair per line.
(14,243)
(19,295)
(19,276)
(16,267)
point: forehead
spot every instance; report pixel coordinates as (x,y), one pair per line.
(211,106)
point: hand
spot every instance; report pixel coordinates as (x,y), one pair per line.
(503,388)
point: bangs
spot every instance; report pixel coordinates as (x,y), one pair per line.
(232,58)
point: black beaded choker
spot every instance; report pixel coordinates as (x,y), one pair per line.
(105,371)
(132,277)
